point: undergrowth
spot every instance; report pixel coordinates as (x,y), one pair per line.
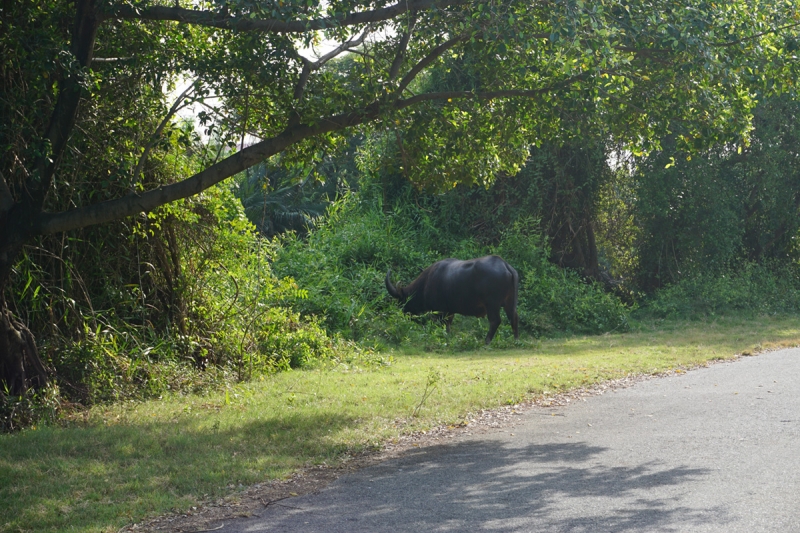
(203,312)
(343,262)
(752,288)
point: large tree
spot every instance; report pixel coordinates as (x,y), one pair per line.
(634,66)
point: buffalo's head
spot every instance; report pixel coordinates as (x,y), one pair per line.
(406,295)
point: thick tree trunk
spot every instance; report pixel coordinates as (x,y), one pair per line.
(20,365)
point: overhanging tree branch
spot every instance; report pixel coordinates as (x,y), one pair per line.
(492,95)
(434,54)
(252,155)
(394,70)
(176,106)
(225,21)
(132,204)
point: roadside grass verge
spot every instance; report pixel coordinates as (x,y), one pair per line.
(122,463)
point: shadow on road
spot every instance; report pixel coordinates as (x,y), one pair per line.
(484,485)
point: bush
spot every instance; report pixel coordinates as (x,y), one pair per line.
(718,211)
(29,409)
(205,310)
(554,299)
(342,265)
(109,365)
(751,287)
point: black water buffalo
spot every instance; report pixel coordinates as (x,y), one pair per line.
(477,287)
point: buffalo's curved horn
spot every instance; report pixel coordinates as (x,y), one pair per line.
(391,288)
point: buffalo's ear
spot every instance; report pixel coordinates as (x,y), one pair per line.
(393,292)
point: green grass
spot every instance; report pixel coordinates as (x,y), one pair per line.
(123,463)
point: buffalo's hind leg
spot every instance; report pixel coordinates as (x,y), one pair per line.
(513,317)
(493,314)
(448,320)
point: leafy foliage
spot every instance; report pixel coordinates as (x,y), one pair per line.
(453,94)
(289,208)
(280,196)
(199,309)
(735,203)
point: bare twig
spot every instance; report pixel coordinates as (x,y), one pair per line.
(310,66)
(757,35)
(176,106)
(112,59)
(204,530)
(6,199)
(275,502)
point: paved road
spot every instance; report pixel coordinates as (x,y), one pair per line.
(713,450)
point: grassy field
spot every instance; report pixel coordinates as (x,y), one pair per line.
(122,463)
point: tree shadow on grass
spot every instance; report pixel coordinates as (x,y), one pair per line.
(486,486)
(91,478)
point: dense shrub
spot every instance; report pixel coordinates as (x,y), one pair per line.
(707,215)
(202,308)
(553,298)
(770,288)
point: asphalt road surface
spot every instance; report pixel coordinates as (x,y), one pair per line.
(714,450)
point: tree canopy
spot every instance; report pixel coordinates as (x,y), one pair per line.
(637,69)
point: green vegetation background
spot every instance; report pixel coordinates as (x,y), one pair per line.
(190,298)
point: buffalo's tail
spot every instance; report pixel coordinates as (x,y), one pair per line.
(515,277)
(511,310)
